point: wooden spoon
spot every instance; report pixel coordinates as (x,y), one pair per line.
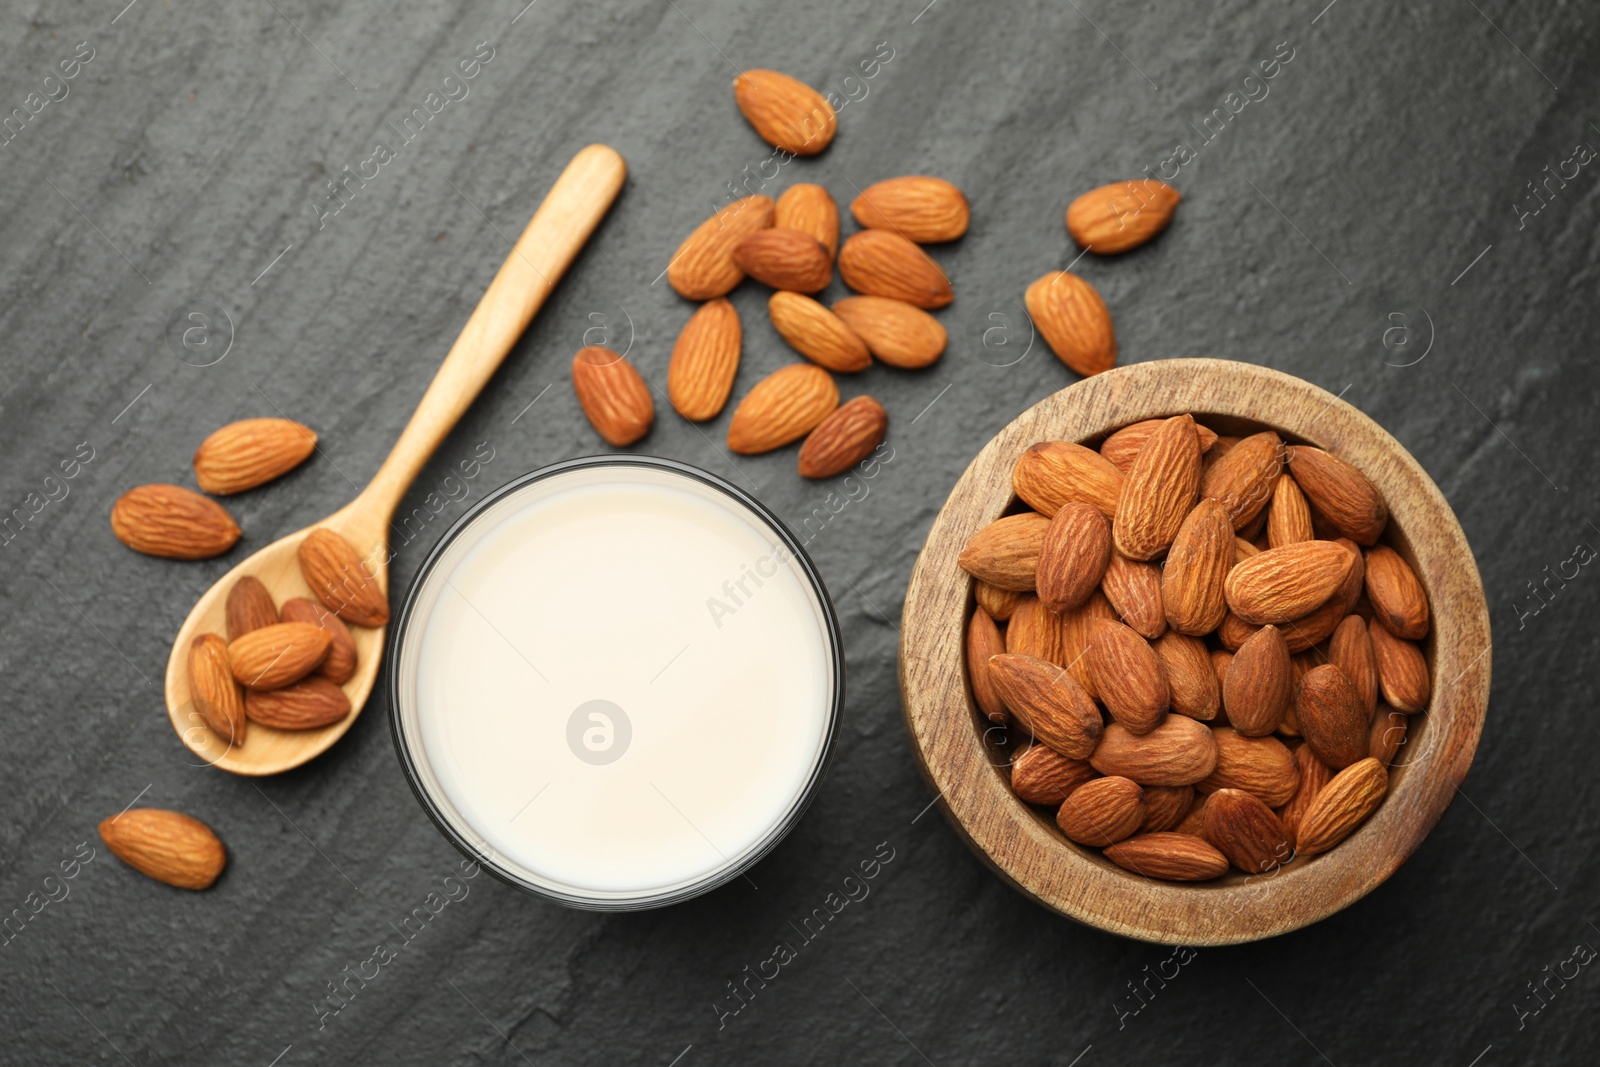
(569,214)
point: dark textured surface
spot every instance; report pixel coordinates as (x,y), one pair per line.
(1387,159)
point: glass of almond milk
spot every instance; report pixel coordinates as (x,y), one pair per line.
(616,681)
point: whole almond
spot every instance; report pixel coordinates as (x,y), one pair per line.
(1102,812)
(921,209)
(1288,516)
(1073,556)
(1261,766)
(1195,689)
(1006,552)
(1048,705)
(1052,473)
(340,663)
(339,578)
(844,438)
(173,522)
(792,260)
(787,113)
(817,333)
(1121,216)
(1342,805)
(983,642)
(1175,857)
(999,603)
(1350,649)
(1134,589)
(1165,806)
(1243,480)
(1128,676)
(705,360)
(274,656)
(809,208)
(703,268)
(166,845)
(1037,631)
(896,332)
(1179,751)
(1396,595)
(613,395)
(1041,775)
(306,705)
(1339,493)
(1387,734)
(1402,671)
(1330,717)
(1076,628)
(1197,566)
(1260,683)
(217,696)
(1314,775)
(1246,831)
(1074,322)
(251,452)
(882,263)
(249,607)
(1160,489)
(1123,446)
(1286,583)
(783,407)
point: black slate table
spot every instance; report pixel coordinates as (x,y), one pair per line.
(1404,215)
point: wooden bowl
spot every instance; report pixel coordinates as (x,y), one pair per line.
(1022,842)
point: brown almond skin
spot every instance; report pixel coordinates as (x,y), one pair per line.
(1402,671)
(275,656)
(1119,217)
(1134,589)
(787,113)
(1159,490)
(1128,676)
(1122,447)
(705,359)
(340,663)
(1342,805)
(1197,566)
(172,522)
(1330,717)
(817,333)
(1313,776)
(1243,480)
(1288,516)
(1387,734)
(844,438)
(882,263)
(613,395)
(1006,552)
(1165,807)
(1174,857)
(1076,627)
(1179,751)
(810,208)
(306,705)
(786,259)
(1041,775)
(251,452)
(1246,831)
(1052,473)
(340,579)
(1221,659)
(1073,556)
(1260,766)
(1350,649)
(1196,691)
(1284,584)
(1339,493)
(896,332)
(1037,631)
(1260,683)
(1102,812)
(1048,705)
(1194,822)
(249,607)
(1396,595)
(783,407)
(166,845)
(918,208)
(999,603)
(217,696)
(1071,316)
(703,268)
(983,642)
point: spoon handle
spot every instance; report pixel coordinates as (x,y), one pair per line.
(575,205)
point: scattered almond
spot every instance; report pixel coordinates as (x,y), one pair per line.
(810,208)
(844,438)
(703,267)
(1069,313)
(613,395)
(921,209)
(251,452)
(881,263)
(820,335)
(783,407)
(166,845)
(1121,216)
(174,522)
(791,260)
(898,333)
(787,113)
(705,360)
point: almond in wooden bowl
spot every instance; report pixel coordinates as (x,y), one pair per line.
(1400,542)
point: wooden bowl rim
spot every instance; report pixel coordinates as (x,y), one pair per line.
(1022,844)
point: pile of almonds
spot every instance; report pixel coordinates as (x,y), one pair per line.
(1208,651)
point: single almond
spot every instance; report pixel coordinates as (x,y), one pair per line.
(1165,806)
(783,407)
(1339,493)
(166,845)
(251,452)
(791,260)
(817,333)
(1195,689)
(1330,716)
(1102,812)
(898,333)
(1243,480)
(983,642)
(999,603)
(810,208)
(1160,489)
(173,522)
(217,696)
(1313,776)
(1035,630)
(918,208)
(1041,775)
(1006,552)
(613,395)
(1073,556)
(1121,216)
(1350,649)
(1122,447)
(844,438)
(306,705)
(1179,751)
(1246,831)
(340,663)
(1048,705)
(1128,676)
(339,578)
(1076,628)
(1052,473)
(1260,683)
(1396,595)
(1197,565)
(882,263)
(1282,584)
(249,607)
(705,359)
(1387,734)
(1175,857)
(1288,516)
(703,268)
(275,656)
(1402,670)
(1134,589)
(1074,321)
(1261,766)
(787,113)
(1342,805)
